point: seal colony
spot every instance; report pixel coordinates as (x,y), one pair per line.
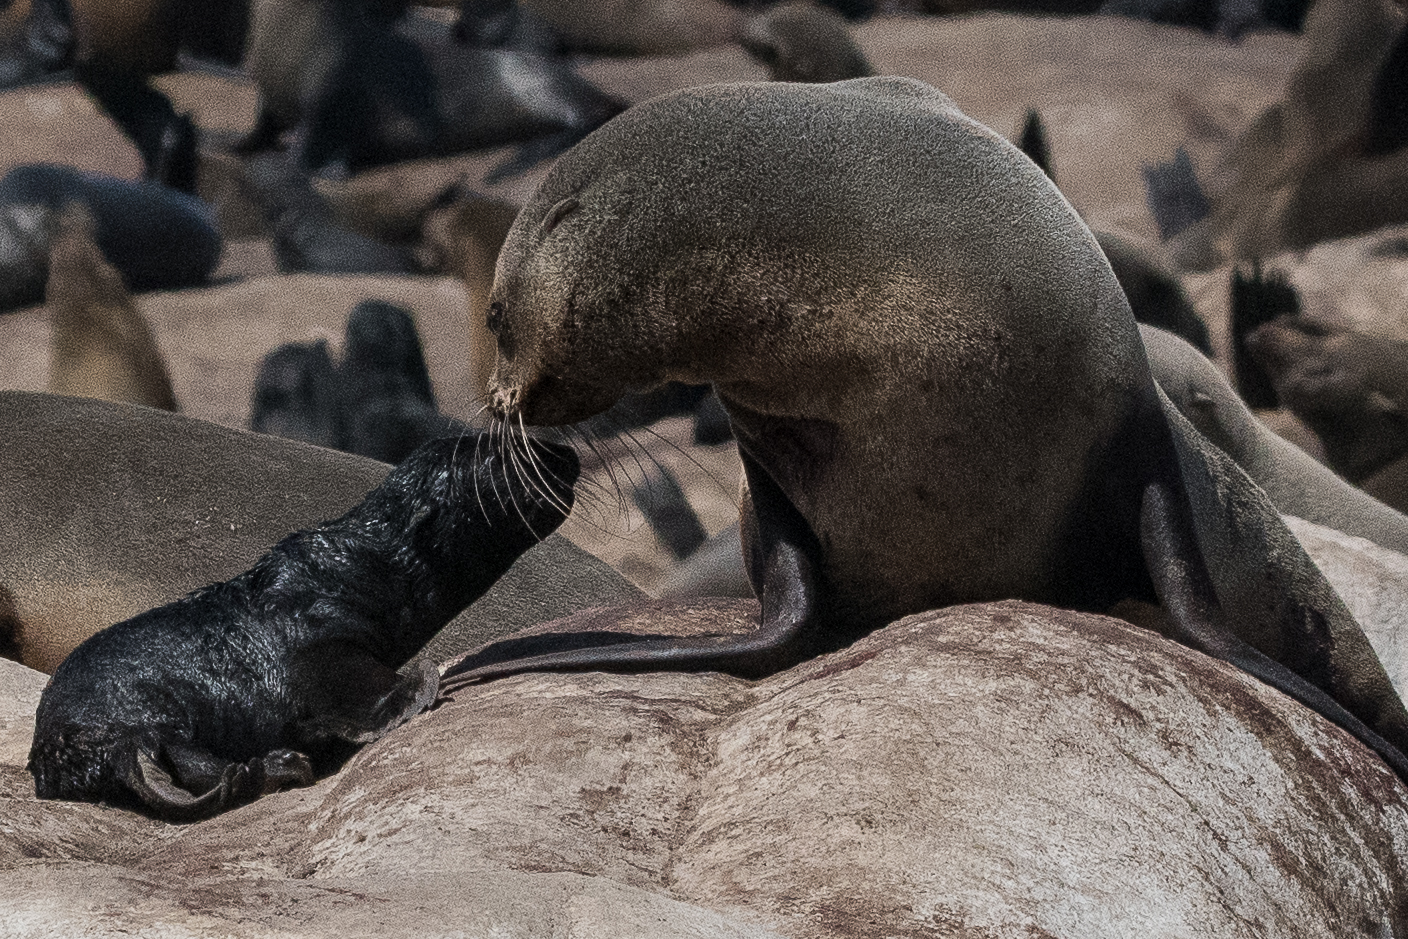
(949,404)
(278,674)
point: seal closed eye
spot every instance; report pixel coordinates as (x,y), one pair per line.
(938,391)
(262,681)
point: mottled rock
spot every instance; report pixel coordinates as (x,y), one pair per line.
(998,770)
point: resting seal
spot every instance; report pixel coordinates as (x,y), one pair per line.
(1350,388)
(1296,482)
(798,41)
(369,89)
(246,686)
(947,403)
(156,237)
(155,505)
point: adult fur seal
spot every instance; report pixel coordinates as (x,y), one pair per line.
(959,411)
(102,346)
(1296,482)
(156,237)
(274,676)
(1351,389)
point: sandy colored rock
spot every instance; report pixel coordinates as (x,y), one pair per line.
(1000,770)
(1373,582)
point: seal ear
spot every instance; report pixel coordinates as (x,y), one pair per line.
(1237,585)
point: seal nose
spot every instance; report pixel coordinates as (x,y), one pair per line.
(503,402)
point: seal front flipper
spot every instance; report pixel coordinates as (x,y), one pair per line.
(784,564)
(166,778)
(365,700)
(1207,532)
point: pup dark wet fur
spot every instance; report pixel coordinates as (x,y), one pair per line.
(279,674)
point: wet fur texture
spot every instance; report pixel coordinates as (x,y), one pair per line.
(949,404)
(281,672)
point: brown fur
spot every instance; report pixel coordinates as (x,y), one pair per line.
(113,510)
(969,417)
(102,347)
(800,42)
(139,37)
(1296,483)
(1348,387)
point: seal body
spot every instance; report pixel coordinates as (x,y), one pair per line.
(1296,482)
(156,237)
(948,403)
(102,346)
(276,674)
(369,89)
(1350,388)
(937,359)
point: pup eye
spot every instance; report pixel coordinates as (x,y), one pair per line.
(559,212)
(495,319)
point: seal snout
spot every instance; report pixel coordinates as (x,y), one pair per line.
(504,402)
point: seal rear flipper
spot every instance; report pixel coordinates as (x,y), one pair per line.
(357,717)
(1237,585)
(166,778)
(784,562)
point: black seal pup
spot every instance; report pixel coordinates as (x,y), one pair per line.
(156,237)
(296,394)
(937,388)
(276,675)
(368,89)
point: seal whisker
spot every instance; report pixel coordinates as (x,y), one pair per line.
(479,461)
(514,462)
(607,461)
(592,492)
(731,493)
(496,433)
(536,465)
